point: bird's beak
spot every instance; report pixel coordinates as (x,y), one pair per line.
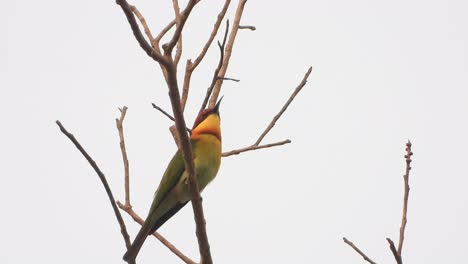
(216,108)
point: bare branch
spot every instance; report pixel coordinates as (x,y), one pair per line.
(143,23)
(216,72)
(248,27)
(164,241)
(127,207)
(164,32)
(102,177)
(190,67)
(228,52)
(175,4)
(351,244)
(394,251)
(139,36)
(291,98)
(216,26)
(408,155)
(254,147)
(119,124)
(162,111)
(168,47)
(228,79)
(168,115)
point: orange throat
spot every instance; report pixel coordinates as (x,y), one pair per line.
(209,126)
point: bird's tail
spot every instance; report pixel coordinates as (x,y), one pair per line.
(138,242)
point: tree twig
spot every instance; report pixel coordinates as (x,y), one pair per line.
(164,32)
(285,106)
(168,115)
(153,53)
(190,67)
(394,251)
(228,52)
(102,177)
(351,244)
(215,74)
(168,47)
(228,79)
(408,155)
(254,147)
(119,124)
(175,4)
(248,27)
(143,23)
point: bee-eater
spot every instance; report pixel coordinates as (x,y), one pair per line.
(173,191)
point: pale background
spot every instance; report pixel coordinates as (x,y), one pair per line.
(384,72)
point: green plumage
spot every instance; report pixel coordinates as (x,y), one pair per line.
(173,191)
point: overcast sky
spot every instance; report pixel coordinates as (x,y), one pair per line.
(384,72)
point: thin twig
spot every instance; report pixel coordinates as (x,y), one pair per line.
(175,4)
(164,32)
(248,27)
(408,155)
(228,52)
(167,115)
(102,177)
(291,98)
(162,111)
(143,23)
(216,26)
(190,67)
(257,145)
(161,238)
(394,251)
(254,147)
(119,124)
(168,47)
(228,79)
(153,53)
(216,72)
(351,244)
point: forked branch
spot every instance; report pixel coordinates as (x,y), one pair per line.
(396,252)
(257,145)
(102,177)
(127,207)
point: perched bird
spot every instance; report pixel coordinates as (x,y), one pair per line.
(173,191)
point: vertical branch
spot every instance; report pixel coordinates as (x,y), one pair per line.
(168,47)
(175,4)
(216,72)
(405,198)
(202,237)
(228,52)
(190,67)
(119,124)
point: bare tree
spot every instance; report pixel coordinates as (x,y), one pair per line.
(168,61)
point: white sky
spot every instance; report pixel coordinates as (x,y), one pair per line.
(384,72)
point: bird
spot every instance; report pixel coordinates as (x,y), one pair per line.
(173,192)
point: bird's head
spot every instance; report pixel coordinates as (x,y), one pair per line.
(208,122)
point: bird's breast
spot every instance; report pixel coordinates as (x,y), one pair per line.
(207,153)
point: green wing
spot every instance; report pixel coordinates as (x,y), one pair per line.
(171,176)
